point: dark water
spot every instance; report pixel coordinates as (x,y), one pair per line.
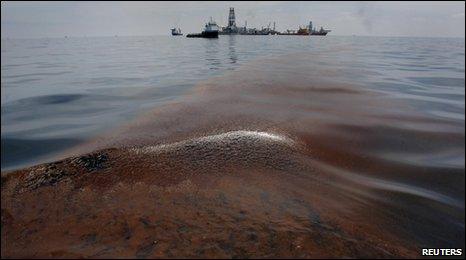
(384,117)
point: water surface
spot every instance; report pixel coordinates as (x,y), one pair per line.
(379,122)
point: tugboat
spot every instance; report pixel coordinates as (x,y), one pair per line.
(210,31)
(176,32)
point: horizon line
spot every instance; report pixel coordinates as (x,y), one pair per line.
(151,35)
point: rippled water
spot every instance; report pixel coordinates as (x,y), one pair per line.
(381,121)
(59,92)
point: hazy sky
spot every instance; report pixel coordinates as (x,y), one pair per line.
(56,19)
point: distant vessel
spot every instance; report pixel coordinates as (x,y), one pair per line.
(322,32)
(210,31)
(309,30)
(176,32)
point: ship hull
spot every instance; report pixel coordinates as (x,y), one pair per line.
(203,35)
(319,34)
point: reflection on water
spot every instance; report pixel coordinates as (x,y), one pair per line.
(231,48)
(212,53)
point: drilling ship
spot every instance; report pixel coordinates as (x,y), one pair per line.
(233,29)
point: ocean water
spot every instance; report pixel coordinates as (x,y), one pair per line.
(383,116)
(59,92)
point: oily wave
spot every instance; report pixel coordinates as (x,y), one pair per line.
(240,136)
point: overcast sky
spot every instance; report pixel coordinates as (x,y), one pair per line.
(56,19)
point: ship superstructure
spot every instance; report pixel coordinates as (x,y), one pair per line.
(176,31)
(210,31)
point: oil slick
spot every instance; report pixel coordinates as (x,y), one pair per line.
(232,138)
(279,158)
